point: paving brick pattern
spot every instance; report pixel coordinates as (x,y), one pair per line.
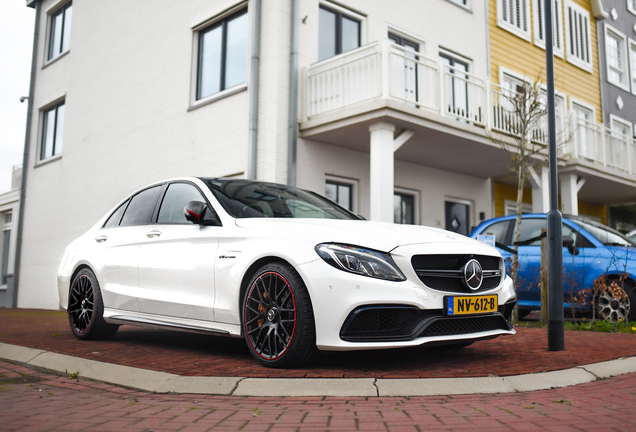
(32,401)
(202,355)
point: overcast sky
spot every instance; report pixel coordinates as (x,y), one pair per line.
(16,42)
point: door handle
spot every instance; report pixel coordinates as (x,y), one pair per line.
(101,238)
(509,259)
(153,233)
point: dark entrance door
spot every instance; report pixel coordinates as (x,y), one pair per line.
(457,217)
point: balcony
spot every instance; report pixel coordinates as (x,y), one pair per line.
(385,81)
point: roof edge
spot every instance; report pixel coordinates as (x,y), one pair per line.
(31,3)
(597,9)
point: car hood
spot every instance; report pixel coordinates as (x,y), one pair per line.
(381,236)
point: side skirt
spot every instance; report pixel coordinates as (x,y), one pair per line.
(115,316)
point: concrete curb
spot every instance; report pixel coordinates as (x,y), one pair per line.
(160,382)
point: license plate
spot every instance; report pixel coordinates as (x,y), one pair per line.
(471,305)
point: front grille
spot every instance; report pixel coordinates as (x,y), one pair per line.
(453,266)
(457,326)
(380,320)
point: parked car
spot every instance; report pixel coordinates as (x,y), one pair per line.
(632,236)
(286,269)
(592,251)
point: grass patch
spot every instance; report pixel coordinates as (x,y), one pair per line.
(587,325)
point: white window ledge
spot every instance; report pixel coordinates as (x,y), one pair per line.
(217,96)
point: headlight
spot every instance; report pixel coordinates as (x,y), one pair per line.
(365,262)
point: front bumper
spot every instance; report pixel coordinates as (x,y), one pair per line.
(335,294)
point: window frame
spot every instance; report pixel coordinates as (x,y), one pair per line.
(616,119)
(631,44)
(558,52)
(52,13)
(353,184)
(626,59)
(197,32)
(631,6)
(42,133)
(570,57)
(523,34)
(341,12)
(416,202)
(5,227)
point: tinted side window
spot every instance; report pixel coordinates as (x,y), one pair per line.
(531,228)
(140,209)
(499,230)
(115,218)
(176,198)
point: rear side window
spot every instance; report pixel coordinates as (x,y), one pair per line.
(176,198)
(115,218)
(139,211)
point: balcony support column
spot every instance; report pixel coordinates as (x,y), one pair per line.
(540,190)
(382,171)
(570,187)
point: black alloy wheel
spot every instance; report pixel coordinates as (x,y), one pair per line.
(81,304)
(278,319)
(86,308)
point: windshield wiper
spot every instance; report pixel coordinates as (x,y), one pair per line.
(618,244)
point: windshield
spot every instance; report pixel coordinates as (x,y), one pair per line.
(605,234)
(251,199)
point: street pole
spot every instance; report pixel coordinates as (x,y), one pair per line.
(554,219)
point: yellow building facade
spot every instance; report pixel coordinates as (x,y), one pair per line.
(516,48)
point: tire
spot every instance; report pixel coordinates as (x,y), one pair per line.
(86,309)
(278,319)
(617,310)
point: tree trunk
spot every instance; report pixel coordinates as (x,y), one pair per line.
(517,234)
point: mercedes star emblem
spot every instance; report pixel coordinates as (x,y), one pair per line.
(473,275)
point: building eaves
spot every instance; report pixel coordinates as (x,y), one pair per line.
(31,3)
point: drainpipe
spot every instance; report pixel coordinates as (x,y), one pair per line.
(253,86)
(293,93)
(25,160)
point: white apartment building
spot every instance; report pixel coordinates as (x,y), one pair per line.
(391,109)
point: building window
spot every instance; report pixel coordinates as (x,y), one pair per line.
(410,66)
(340,193)
(632,64)
(616,57)
(585,131)
(455,86)
(52,132)
(540,27)
(60,31)
(222,55)
(4,252)
(404,208)
(514,16)
(338,33)
(578,36)
(631,6)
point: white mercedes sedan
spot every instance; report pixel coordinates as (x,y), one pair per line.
(288,270)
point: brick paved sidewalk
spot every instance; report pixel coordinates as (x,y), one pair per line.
(201,355)
(32,401)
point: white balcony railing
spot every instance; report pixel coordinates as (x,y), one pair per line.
(383,70)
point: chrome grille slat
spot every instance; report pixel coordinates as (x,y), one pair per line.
(445,272)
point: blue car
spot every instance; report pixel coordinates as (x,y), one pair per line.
(592,252)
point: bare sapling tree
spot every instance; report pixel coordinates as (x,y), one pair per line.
(520,127)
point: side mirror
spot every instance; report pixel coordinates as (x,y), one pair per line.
(568,242)
(198,213)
